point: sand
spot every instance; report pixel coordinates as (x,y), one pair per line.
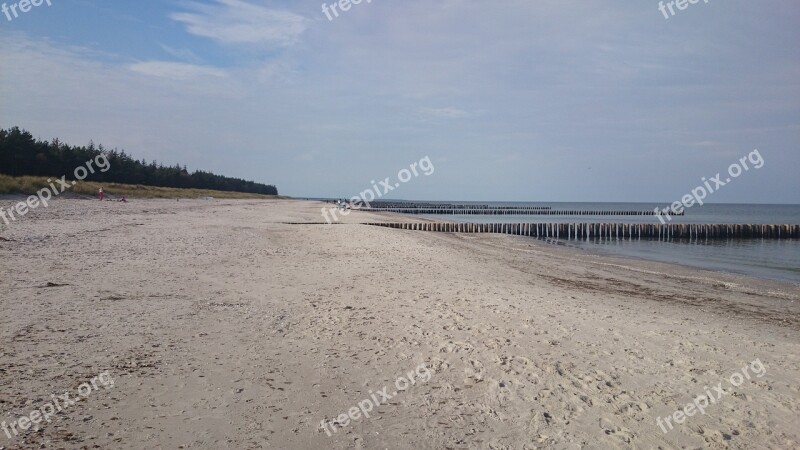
(224,326)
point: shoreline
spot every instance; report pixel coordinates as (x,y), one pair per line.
(595,245)
(228,324)
(688,266)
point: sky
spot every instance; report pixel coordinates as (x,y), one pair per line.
(536,100)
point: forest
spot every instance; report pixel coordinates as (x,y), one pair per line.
(21,154)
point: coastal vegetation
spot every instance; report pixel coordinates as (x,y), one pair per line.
(21,155)
(30,185)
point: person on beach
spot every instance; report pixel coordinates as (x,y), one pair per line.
(101,194)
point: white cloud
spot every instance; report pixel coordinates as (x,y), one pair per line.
(308,156)
(446,113)
(184,54)
(279,72)
(176,71)
(240,22)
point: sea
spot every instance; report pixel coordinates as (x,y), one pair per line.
(763,258)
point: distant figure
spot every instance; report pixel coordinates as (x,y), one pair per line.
(122,200)
(101,194)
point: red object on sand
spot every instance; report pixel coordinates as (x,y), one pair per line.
(101,194)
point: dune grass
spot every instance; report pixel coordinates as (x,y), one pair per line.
(29,185)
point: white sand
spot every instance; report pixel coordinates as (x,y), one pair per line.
(223,327)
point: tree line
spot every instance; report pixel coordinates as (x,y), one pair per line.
(21,154)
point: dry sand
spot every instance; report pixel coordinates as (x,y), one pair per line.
(224,326)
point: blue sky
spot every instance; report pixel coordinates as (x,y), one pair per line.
(557,100)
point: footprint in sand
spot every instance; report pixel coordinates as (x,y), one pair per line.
(474,372)
(515,365)
(456,347)
(610,429)
(438,365)
(540,420)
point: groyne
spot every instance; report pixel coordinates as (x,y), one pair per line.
(378,205)
(611,230)
(515,211)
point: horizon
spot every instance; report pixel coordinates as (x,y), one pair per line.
(536,201)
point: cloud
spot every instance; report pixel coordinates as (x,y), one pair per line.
(278,72)
(183,54)
(240,22)
(446,113)
(308,156)
(706,144)
(176,71)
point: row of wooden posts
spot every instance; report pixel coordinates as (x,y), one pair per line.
(514,212)
(375,205)
(610,230)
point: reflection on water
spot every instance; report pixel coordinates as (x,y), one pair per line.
(772,259)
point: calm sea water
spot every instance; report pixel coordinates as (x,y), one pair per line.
(771,259)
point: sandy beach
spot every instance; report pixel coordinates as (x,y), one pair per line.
(247,324)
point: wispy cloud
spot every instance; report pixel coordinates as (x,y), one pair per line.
(308,156)
(183,54)
(445,113)
(176,71)
(240,22)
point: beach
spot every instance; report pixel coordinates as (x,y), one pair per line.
(253,324)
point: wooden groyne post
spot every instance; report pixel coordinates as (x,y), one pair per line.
(611,230)
(517,211)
